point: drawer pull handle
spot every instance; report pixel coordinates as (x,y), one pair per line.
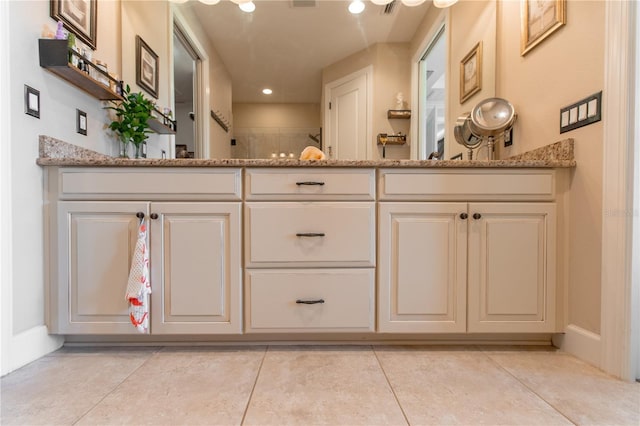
(309,183)
(309,302)
(310,234)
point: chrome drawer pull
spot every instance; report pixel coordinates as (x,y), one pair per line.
(310,234)
(309,302)
(309,183)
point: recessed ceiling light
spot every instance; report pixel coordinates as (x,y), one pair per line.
(356,6)
(247,6)
(267,91)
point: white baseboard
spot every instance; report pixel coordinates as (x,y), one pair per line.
(29,346)
(581,343)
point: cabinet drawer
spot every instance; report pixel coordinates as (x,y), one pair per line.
(310,184)
(336,300)
(149,184)
(310,234)
(468,185)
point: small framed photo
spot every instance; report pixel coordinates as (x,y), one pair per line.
(538,20)
(31,101)
(81,120)
(79,17)
(457,157)
(146,67)
(471,73)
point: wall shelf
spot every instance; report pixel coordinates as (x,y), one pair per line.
(399,113)
(162,124)
(384,139)
(54,57)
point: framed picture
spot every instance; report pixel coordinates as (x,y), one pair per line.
(77,16)
(146,67)
(471,73)
(539,19)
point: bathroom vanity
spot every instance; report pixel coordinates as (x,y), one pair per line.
(374,249)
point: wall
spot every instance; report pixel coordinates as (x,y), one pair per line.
(563,69)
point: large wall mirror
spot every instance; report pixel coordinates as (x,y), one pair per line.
(314,55)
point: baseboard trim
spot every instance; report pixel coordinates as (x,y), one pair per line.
(30,345)
(580,343)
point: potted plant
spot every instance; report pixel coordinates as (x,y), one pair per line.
(131,123)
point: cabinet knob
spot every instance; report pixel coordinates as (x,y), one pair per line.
(140,215)
(153,216)
(477,216)
(309,302)
(463,216)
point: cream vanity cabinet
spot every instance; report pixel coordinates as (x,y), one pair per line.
(310,250)
(194,219)
(467,250)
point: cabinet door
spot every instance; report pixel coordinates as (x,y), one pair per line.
(422,267)
(512,267)
(195,268)
(95,243)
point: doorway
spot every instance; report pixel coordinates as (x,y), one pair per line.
(348,116)
(186,65)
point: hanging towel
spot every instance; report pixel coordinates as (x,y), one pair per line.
(139,286)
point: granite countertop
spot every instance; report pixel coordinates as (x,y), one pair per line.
(54,152)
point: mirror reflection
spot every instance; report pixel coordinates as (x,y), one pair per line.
(334,76)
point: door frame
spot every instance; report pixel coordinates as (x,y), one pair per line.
(366,71)
(201,84)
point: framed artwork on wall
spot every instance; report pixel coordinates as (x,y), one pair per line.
(79,17)
(146,67)
(471,73)
(539,19)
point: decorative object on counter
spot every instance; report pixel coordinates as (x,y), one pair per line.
(312,153)
(31,101)
(146,67)
(400,103)
(181,151)
(491,119)
(132,120)
(471,73)
(77,16)
(539,19)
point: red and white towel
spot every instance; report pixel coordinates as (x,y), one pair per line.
(139,285)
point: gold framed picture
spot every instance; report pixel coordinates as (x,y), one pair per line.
(471,73)
(539,19)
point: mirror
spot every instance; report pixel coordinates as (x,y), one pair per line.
(297,47)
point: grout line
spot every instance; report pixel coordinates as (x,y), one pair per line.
(529,388)
(153,354)
(253,388)
(393,391)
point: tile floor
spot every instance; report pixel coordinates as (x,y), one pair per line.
(315,385)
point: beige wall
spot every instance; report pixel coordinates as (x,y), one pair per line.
(563,69)
(247,115)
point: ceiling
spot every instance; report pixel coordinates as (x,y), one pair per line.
(285,46)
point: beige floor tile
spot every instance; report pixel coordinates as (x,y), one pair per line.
(184,387)
(59,389)
(450,385)
(581,392)
(322,385)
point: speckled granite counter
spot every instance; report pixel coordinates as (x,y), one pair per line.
(54,152)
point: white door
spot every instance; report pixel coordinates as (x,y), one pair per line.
(422,268)
(195,268)
(512,267)
(348,117)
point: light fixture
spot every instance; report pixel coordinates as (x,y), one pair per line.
(210,2)
(441,3)
(178,1)
(381,2)
(247,6)
(356,6)
(412,3)
(267,91)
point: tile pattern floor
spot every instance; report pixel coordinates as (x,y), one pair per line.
(315,385)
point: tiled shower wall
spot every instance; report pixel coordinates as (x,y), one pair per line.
(269,142)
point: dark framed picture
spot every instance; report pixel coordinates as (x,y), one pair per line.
(79,17)
(31,101)
(539,19)
(146,67)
